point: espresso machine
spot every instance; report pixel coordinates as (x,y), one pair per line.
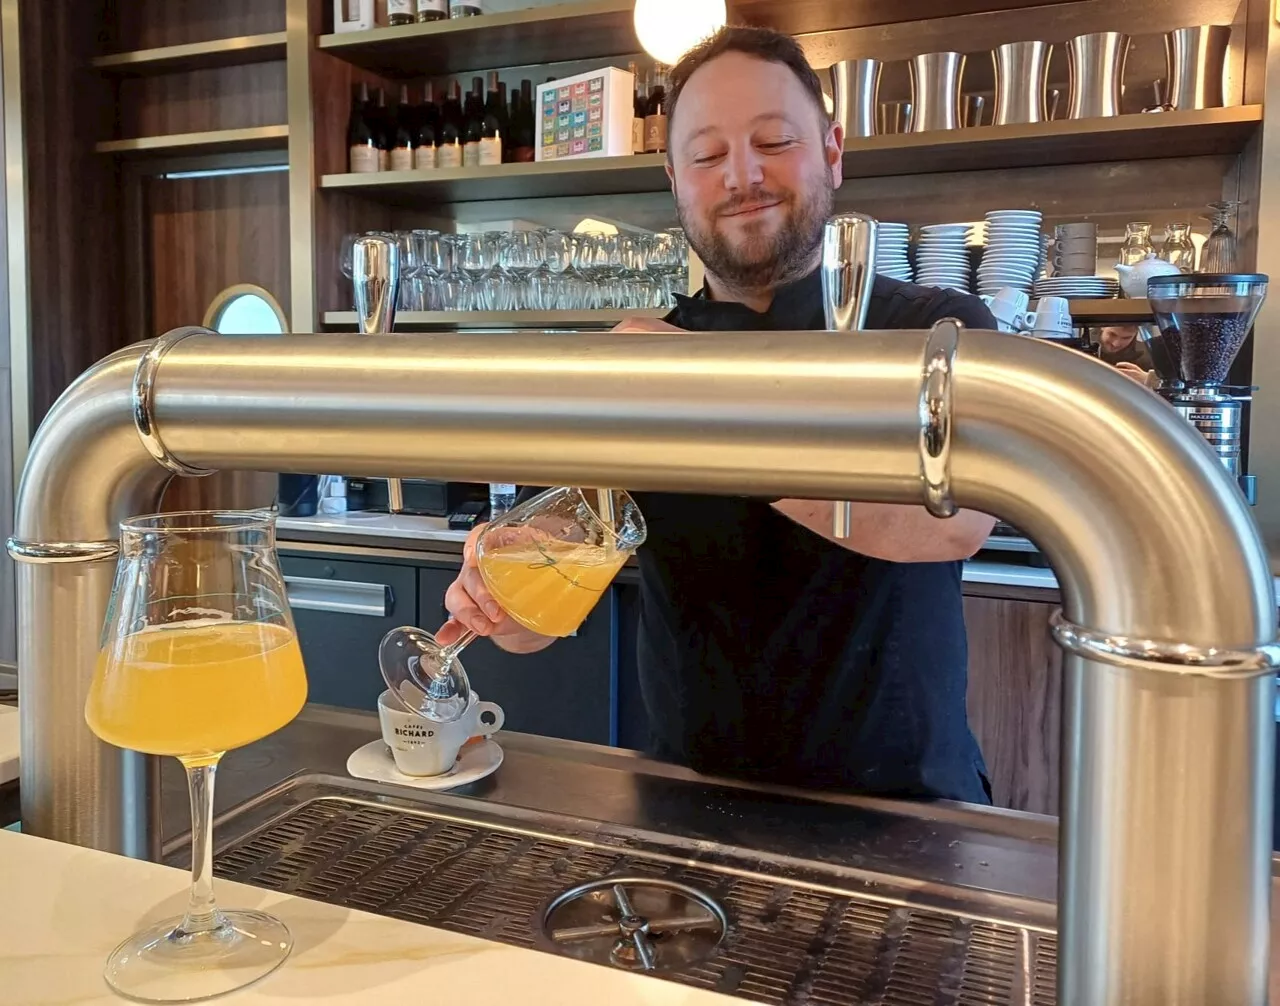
(1202,320)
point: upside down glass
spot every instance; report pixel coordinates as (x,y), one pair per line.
(199,656)
(546,562)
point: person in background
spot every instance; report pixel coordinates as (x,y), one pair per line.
(769,649)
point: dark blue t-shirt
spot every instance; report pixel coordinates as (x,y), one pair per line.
(768,652)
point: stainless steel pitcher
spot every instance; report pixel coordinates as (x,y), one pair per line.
(855,88)
(1022,77)
(1096,63)
(935,91)
(1196,59)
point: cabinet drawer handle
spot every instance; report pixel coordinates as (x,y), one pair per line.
(342,597)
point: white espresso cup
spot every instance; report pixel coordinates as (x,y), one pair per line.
(421,746)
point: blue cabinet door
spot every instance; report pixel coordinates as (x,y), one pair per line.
(564,691)
(342,609)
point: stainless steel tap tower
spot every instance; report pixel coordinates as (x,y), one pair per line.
(1169,612)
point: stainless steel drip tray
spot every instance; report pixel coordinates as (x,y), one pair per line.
(762,927)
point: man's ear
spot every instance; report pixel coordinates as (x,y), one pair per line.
(671,174)
(835,153)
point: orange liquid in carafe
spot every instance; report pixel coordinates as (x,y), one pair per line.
(550,587)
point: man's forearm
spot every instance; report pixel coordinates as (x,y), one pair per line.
(895,533)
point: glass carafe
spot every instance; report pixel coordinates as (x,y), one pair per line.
(199,656)
(1179,249)
(547,563)
(1137,243)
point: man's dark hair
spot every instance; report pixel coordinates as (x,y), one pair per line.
(761,43)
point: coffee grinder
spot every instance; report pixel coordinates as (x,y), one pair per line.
(1203,319)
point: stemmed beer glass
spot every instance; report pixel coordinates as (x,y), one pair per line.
(547,562)
(199,655)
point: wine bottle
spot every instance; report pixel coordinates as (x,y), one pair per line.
(404,136)
(432,10)
(655,114)
(362,141)
(523,125)
(449,137)
(492,134)
(504,121)
(399,12)
(465,8)
(385,130)
(640,111)
(424,155)
(473,124)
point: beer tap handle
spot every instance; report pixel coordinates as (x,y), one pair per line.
(375,274)
(848,275)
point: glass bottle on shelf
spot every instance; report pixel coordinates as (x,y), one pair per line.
(400,12)
(655,118)
(449,137)
(385,129)
(362,138)
(523,132)
(465,8)
(492,128)
(1178,248)
(1137,243)
(405,137)
(473,124)
(1219,253)
(424,155)
(432,10)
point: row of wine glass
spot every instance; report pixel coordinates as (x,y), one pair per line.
(535,270)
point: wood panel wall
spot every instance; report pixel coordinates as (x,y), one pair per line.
(230,97)
(206,234)
(73,198)
(147,24)
(1015,699)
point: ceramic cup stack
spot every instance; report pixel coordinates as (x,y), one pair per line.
(892,241)
(943,256)
(1012,256)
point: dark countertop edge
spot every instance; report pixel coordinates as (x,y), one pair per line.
(417,550)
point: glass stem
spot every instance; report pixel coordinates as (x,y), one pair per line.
(202,913)
(449,653)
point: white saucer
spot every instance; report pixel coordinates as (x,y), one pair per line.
(475,762)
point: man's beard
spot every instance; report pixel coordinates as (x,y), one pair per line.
(767,259)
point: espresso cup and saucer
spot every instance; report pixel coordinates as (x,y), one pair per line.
(427,754)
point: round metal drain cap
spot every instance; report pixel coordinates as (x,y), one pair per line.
(638,923)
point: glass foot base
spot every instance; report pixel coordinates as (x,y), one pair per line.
(163,964)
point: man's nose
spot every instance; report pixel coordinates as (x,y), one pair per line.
(743,169)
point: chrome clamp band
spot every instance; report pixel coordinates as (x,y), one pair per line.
(936,417)
(1155,655)
(62,551)
(144,400)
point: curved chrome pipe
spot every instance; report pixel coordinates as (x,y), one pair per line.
(1166,811)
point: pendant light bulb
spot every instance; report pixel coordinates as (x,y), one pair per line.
(669,28)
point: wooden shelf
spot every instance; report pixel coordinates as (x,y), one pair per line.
(452,320)
(1121,310)
(1042,144)
(1090,311)
(236,51)
(216,141)
(598,29)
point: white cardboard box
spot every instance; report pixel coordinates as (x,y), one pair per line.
(588,115)
(353,15)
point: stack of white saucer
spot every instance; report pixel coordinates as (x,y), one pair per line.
(943,256)
(892,241)
(1014,247)
(1078,287)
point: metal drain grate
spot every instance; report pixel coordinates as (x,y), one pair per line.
(785,944)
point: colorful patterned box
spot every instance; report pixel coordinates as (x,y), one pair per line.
(586,116)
